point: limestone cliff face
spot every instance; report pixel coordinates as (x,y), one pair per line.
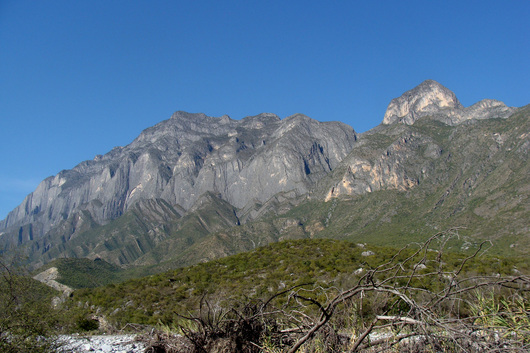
(400,163)
(431,99)
(180,159)
(395,156)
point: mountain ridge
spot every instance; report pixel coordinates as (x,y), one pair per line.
(180,147)
(241,182)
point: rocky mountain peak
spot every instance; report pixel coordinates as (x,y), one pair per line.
(182,115)
(259,121)
(427,98)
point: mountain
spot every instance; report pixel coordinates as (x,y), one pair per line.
(173,164)
(402,152)
(194,188)
(403,183)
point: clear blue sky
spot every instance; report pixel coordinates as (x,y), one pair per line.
(80,77)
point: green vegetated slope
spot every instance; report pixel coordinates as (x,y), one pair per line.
(27,317)
(259,274)
(25,287)
(85,273)
(479,181)
(120,241)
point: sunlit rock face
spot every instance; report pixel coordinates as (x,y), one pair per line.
(428,97)
(404,163)
(399,166)
(432,100)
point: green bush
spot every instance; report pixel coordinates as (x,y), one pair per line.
(86,324)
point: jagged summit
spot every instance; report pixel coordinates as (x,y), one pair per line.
(427,98)
(261,120)
(431,99)
(182,115)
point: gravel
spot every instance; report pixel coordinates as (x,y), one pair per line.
(104,344)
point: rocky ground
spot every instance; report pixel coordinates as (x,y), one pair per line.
(106,344)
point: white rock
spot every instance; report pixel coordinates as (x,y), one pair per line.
(105,347)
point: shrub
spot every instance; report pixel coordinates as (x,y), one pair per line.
(27,319)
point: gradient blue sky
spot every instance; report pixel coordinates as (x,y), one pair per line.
(80,77)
